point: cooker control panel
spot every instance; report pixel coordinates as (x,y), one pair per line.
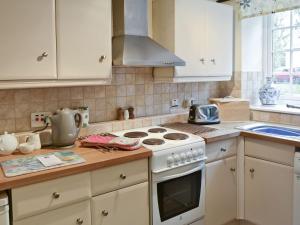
(192,155)
(177,156)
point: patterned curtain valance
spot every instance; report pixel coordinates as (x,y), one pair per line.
(251,8)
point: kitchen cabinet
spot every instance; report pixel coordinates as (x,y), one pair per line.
(83,39)
(27,40)
(203,37)
(268,192)
(77,214)
(127,206)
(55,43)
(112,195)
(50,195)
(221,191)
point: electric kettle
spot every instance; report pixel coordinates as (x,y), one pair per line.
(65,124)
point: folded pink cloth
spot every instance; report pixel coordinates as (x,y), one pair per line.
(110,141)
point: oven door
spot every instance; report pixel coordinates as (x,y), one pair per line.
(178,195)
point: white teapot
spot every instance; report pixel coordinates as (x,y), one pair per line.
(8,143)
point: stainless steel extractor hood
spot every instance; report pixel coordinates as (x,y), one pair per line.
(131,44)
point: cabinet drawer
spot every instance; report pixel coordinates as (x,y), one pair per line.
(77,214)
(116,177)
(270,151)
(127,206)
(221,149)
(41,197)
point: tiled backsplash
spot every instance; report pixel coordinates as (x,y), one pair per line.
(130,87)
(274,117)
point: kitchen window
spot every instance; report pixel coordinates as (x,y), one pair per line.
(283,52)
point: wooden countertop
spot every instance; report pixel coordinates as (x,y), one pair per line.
(95,159)
(227,130)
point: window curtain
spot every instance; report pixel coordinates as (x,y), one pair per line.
(252,8)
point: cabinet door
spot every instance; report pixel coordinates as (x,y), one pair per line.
(268,192)
(127,206)
(189,38)
(84,39)
(221,191)
(219,39)
(27,40)
(77,214)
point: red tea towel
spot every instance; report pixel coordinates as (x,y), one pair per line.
(110,141)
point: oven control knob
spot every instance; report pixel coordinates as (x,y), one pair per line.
(189,156)
(195,154)
(170,161)
(201,153)
(176,159)
(183,157)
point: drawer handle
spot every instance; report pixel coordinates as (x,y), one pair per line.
(252,170)
(122,176)
(223,150)
(105,213)
(56,195)
(232,169)
(79,221)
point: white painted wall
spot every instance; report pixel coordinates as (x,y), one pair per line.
(252,44)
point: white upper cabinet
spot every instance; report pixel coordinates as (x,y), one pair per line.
(198,31)
(27,40)
(65,42)
(219,44)
(84,39)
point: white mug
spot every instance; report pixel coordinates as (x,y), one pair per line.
(34,139)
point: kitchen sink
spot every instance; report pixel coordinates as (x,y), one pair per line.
(273,130)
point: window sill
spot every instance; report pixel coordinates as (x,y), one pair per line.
(275,109)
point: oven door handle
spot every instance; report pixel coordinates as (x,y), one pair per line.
(181,174)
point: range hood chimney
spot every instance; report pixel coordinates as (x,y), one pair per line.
(131,44)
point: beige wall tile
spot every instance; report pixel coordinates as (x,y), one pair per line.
(22,96)
(7,125)
(100,92)
(140,100)
(130,90)
(7,97)
(149,89)
(89,92)
(23,124)
(110,91)
(121,90)
(139,89)
(131,87)
(130,79)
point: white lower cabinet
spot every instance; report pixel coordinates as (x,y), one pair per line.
(268,192)
(221,191)
(127,206)
(77,214)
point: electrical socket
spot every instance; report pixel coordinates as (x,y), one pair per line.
(174,103)
(38,119)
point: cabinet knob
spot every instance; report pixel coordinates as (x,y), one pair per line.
(202,60)
(42,56)
(223,150)
(252,170)
(105,213)
(45,54)
(122,176)
(79,221)
(213,61)
(56,195)
(232,169)
(102,58)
